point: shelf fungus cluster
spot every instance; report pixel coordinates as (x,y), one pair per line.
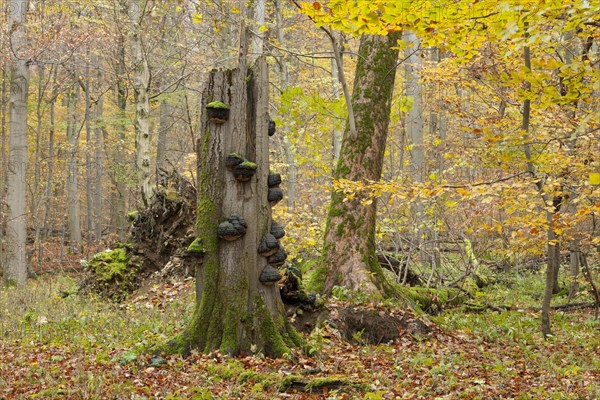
(272,127)
(275,193)
(232,229)
(277,230)
(217,112)
(271,249)
(268,245)
(269,275)
(242,169)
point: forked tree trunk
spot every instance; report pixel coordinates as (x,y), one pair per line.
(234,311)
(349,251)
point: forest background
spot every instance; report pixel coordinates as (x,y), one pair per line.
(113,93)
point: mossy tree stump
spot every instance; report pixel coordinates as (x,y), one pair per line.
(234,311)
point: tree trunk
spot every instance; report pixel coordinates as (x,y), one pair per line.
(50,177)
(349,250)
(37,162)
(551,234)
(90,221)
(337,93)
(574,268)
(290,156)
(141,84)
(3,166)
(413,123)
(164,125)
(118,216)
(73,216)
(234,311)
(414,117)
(16,235)
(98,168)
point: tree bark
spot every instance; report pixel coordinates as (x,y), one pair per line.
(16,235)
(3,166)
(50,176)
(234,311)
(73,215)
(141,84)
(348,256)
(90,221)
(118,217)
(99,165)
(37,161)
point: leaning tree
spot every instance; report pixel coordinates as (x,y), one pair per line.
(348,256)
(238,304)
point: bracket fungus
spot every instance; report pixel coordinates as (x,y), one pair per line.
(272,127)
(273,179)
(232,229)
(233,160)
(217,112)
(278,258)
(245,171)
(277,230)
(269,275)
(275,195)
(268,245)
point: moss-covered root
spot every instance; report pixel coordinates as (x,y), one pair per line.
(319,385)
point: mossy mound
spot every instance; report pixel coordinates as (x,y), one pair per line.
(113,274)
(161,241)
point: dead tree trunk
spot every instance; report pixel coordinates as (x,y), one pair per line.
(238,308)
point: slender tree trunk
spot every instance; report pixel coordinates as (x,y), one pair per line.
(89,215)
(141,84)
(73,214)
(118,217)
(348,256)
(50,176)
(164,125)
(16,234)
(258,37)
(3,165)
(36,178)
(413,123)
(414,117)
(337,93)
(551,234)
(98,167)
(288,147)
(574,269)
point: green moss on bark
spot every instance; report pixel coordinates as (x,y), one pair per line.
(271,335)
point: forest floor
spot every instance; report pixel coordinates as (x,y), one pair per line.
(56,344)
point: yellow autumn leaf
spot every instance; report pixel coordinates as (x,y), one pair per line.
(594,178)
(197,18)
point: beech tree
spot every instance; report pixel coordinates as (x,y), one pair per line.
(238,306)
(141,84)
(348,255)
(16,256)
